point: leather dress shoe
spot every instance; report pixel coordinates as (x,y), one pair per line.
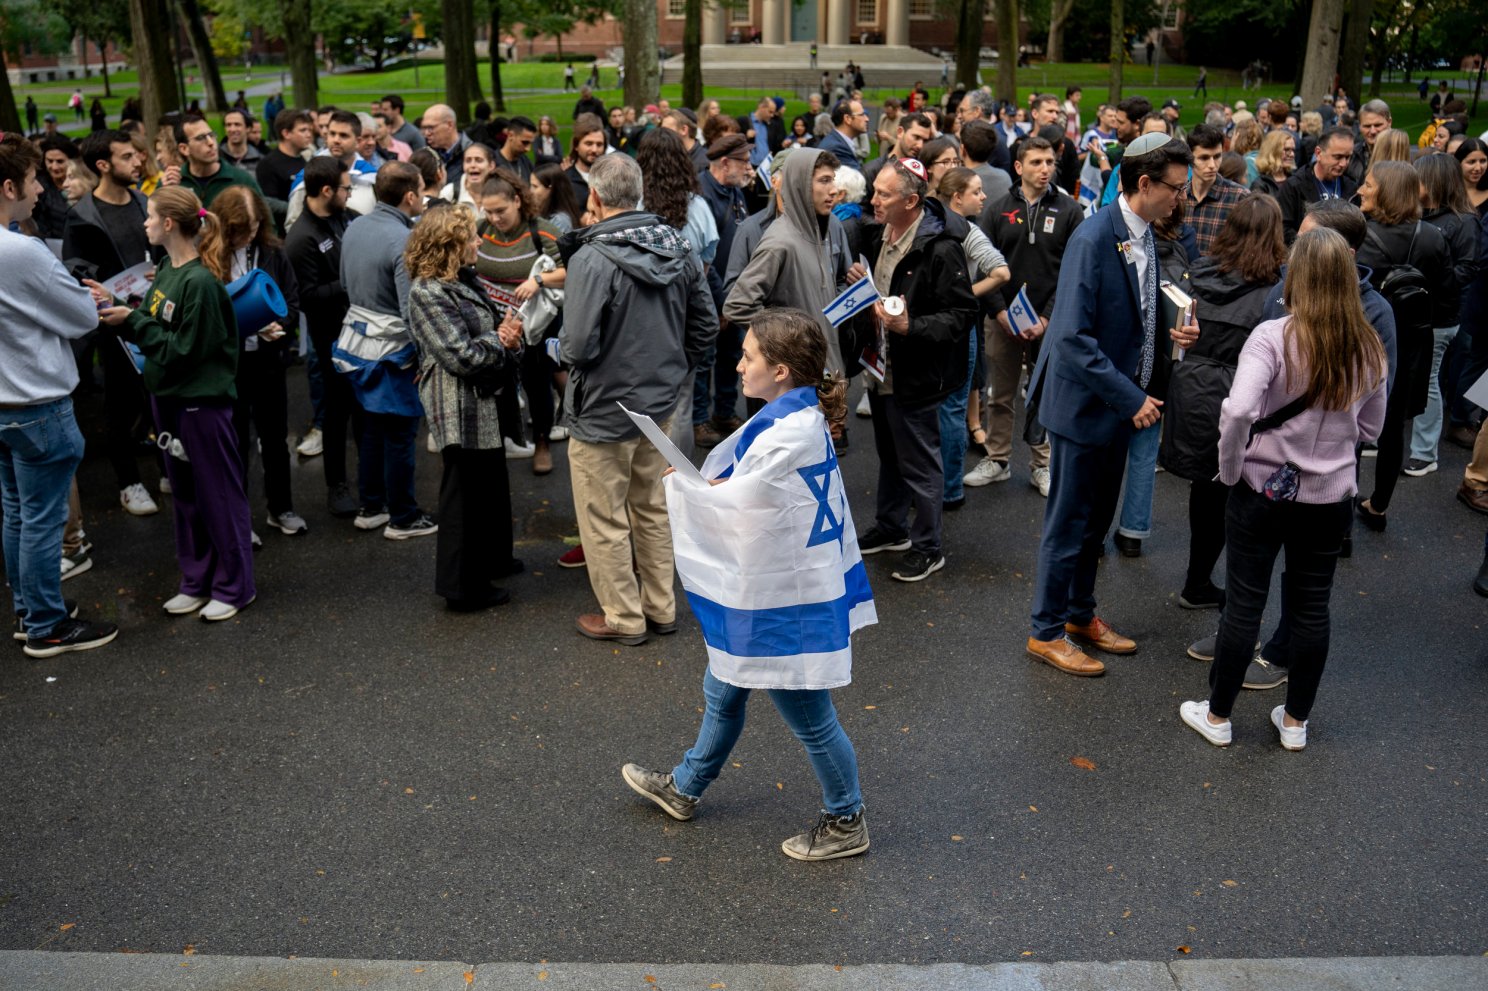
(1098,634)
(594,626)
(1473,497)
(1463,435)
(1065,656)
(1128,546)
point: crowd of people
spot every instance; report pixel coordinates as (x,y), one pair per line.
(1251,304)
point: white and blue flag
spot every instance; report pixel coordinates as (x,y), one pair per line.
(1021,315)
(853,300)
(769,558)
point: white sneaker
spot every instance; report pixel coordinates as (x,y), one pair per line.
(75,564)
(312,444)
(1196,715)
(1292,737)
(180,605)
(986,472)
(558,434)
(291,524)
(216,611)
(165,486)
(1039,479)
(519,452)
(136,501)
(864,410)
(430,444)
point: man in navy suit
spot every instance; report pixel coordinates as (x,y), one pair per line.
(848,121)
(1089,388)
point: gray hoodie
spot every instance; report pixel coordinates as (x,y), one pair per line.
(637,319)
(794,264)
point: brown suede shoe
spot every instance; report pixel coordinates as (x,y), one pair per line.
(1098,634)
(594,626)
(704,435)
(542,459)
(1473,497)
(1066,657)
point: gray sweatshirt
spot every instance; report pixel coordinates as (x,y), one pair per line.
(371,251)
(42,307)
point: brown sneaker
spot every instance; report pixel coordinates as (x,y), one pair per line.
(705,436)
(1098,634)
(1473,497)
(1065,656)
(594,626)
(542,459)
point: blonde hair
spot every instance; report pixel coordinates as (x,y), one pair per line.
(1330,342)
(1271,159)
(1311,122)
(1247,136)
(436,248)
(1392,145)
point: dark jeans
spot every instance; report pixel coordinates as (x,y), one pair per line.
(537,382)
(1084,485)
(910,472)
(720,376)
(263,400)
(475,523)
(1206,532)
(1465,362)
(1258,530)
(385,465)
(337,407)
(125,402)
(1393,439)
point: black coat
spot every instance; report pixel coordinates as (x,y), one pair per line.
(1228,309)
(84,236)
(313,247)
(1433,259)
(1461,232)
(928,363)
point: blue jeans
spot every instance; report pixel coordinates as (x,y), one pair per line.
(316,375)
(953,438)
(1426,428)
(385,465)
(1141,473)
(40,448)
(808,713)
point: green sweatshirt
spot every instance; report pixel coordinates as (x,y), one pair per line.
(188,334)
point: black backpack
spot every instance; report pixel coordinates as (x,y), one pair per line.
(1405,289)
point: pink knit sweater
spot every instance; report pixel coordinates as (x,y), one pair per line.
(1320,442)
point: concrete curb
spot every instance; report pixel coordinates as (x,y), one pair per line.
(33,970)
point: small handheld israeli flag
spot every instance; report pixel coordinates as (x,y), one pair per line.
(769,558)
(1020,313)
(853,300)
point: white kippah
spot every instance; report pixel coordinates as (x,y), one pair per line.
(1147,142)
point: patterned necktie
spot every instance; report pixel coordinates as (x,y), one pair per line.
(1149,309)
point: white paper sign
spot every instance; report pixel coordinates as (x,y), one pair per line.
(132,283)
(664,444)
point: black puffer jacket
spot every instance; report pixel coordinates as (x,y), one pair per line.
(1461,233)
(1431,256)
(1229,308)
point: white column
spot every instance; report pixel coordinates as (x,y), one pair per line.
(715,25)
(896,31)
(839,21)
(771,24)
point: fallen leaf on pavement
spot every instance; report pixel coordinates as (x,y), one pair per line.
(1083,762)
(189,950)
(66,926)
(663,860)
(1229,884)
(1185,949)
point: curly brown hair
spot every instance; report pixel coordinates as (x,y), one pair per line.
(668,178)
(236,209)
(436,248)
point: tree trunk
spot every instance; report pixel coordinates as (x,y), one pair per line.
(1356,45)
(969,42)
(108,91)
(83,37)
(299,45)
(497,97)
(10,117)
(1117,50)
(1323,39)
(206,60)
(455,36)
(638,35)
(152,36)
(473,92)
(1410,55)
(692,54)
(1059,14)
(1007,49)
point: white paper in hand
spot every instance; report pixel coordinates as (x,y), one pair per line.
(664,444)
(1477,393)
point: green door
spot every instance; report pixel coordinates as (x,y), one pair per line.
(803,21)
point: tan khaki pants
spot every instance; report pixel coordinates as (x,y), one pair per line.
(1476,474)
(1005,355)
(622,512)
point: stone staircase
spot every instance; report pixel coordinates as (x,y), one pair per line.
(787,68)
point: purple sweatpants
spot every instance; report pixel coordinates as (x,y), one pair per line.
(214,526)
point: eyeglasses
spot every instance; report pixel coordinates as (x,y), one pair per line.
(1181,190)
(946,161)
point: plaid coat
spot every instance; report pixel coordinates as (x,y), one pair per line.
(454,327)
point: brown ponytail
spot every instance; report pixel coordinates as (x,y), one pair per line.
(793,338)
(181,206)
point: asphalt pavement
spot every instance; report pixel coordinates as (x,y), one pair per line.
(348,771)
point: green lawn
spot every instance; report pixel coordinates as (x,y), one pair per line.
(535,89)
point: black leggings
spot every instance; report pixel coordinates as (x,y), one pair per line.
(1393,438)
(1206,532)
(263,399)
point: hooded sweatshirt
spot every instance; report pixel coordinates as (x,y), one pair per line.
(794,264)
(637,319)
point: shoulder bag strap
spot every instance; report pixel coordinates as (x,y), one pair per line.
(1274,420)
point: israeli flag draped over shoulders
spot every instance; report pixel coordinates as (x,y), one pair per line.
(769,558)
